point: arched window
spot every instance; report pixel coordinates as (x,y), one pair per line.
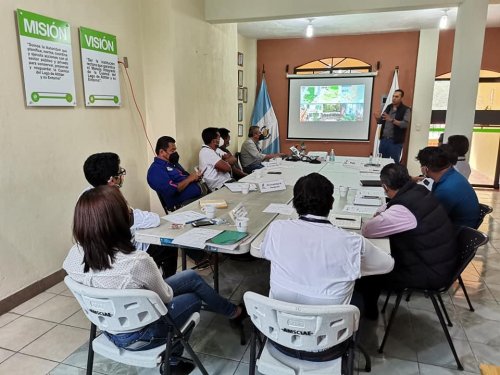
(334,65)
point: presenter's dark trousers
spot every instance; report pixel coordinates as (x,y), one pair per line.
(389,149)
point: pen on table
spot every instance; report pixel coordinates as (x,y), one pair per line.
(345,218)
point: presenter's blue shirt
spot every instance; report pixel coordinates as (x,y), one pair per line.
(458,198)
(164,177)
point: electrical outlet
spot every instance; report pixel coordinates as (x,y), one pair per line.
(125,61)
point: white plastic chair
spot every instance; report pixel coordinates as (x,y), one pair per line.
(128,310)
(307,328)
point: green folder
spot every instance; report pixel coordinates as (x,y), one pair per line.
(228,237)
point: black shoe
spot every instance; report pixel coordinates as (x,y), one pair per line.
(238,321)
(182,368)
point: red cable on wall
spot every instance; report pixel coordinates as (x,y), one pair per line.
(137,106)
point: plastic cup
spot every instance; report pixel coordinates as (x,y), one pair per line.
(245,188)
(209,211)
(343,191)
(242,224)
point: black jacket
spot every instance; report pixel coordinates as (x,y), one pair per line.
(399,134)
(424,257)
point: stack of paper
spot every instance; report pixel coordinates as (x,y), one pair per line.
(360,210)
(196,237)
(236,187)
(279,208)
(184,217)
(368,198)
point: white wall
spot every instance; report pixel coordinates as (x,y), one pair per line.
(42,150)
(248,47)
(205,87)
(178,65)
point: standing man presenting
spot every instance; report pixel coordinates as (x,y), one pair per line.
(395,120)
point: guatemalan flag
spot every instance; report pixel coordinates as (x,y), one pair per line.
(263,116)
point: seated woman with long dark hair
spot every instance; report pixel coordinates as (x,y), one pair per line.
(104,257)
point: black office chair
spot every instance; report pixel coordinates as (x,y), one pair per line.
(484,210)
(468,240)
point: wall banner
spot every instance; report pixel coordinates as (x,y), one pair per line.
(100,68)
(47,60)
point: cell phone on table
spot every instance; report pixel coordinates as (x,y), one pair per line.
(202,223)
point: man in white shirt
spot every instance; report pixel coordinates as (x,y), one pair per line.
(313,261)
(214,164)
(104,169)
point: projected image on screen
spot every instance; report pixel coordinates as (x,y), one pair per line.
(332,103)
(330,107)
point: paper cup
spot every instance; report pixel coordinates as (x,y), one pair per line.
(343,191)
(242,224)
(209,211)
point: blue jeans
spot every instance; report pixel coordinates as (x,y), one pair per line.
(189,292)
(389,149)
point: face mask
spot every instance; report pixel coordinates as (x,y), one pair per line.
(221,142)
(174,158)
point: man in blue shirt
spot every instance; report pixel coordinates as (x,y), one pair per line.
(167,177)
(451,188)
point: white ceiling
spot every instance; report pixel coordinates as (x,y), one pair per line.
(367,23)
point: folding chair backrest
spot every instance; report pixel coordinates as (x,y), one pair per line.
(468,241)
(484,210)
(163,203)
(118,310)
(302,327)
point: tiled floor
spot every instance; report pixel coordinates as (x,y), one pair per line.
(49,333)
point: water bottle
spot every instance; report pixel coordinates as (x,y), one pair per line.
(332,155)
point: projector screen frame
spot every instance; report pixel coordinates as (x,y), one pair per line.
(331,75)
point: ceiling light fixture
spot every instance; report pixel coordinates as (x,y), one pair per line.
(443,22)
(309,29)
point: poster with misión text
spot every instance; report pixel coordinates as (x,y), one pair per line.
(47,60)
(100,68)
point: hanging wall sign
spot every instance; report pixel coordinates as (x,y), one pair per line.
(100,68)
(47,60)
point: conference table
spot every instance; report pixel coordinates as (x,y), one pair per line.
(344,171)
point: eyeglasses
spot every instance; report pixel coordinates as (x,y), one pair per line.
(122,172)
